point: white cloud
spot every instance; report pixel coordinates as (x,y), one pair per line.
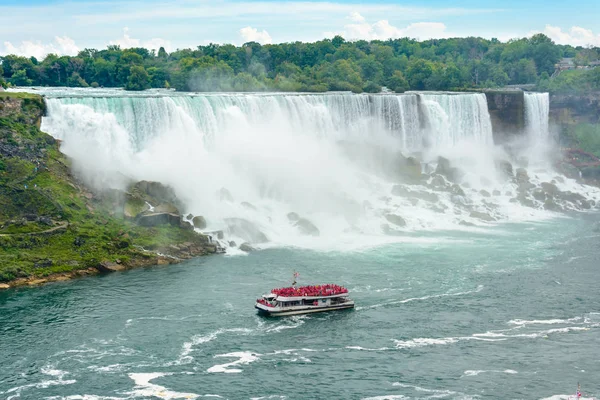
(250,34)
(361,29)
(127,42)
(576,36)
(62,46)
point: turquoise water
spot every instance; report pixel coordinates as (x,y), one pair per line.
(512,312)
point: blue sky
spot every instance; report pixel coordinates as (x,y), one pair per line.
(36,27)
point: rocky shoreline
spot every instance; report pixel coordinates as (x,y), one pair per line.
(54,228)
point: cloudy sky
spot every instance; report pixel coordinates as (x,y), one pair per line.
(37,27)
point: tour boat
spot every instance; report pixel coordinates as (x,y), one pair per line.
(304,300)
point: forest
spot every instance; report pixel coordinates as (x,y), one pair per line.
(327,65)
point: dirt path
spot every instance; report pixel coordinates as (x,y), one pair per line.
(63,225)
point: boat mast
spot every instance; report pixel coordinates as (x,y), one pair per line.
(295,275)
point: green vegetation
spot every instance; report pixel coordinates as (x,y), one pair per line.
(584,136)
(577,81)
(399,64)
(49,223)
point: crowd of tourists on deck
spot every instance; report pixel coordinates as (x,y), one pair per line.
(310,291)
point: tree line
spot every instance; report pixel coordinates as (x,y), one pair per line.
(326,65)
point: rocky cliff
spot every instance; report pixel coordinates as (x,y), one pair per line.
(53,227)
(507,113)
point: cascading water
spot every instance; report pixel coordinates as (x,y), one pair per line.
(332,159)
(537,108)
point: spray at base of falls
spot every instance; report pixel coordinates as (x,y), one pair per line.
(332,159)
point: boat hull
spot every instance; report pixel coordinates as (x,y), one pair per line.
(301,311)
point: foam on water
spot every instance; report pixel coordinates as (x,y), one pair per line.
(243,358)
(145,388)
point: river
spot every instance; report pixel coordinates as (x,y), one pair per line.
(509,313)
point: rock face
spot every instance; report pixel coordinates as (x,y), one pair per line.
(507,113)
(293,217)
(246,247)
(154,193)
(395,219)
(246,230)
(399,190)
(199,222)
(306,227)
(107,266)
(482,216)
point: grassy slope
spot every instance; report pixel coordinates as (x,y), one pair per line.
(35,180)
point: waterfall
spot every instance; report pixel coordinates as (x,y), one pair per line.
(331,158)
(457,118)
(537,107)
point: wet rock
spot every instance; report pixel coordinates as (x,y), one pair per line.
(154,193)
(438,182)
(199,222)
(457,190)
(539,195)
(550,189)
(246,230)
(246,247)
(134,206)
(497,193)
(387,230)
(219,234)
(507,193)
(444,168)
(485,193)
(482,216)
(411,170)
(108,266)
(521,175)
(190,216)
(395,219)
(550,205)
(232,243)
(524,200)
(306,227)
(293,217)
(399,190)
(184,224)
(460,200)
(439,208)
(585,204)
(4,286)
(559,179)
(225,195)
(465,223)
(166,208)
(570,197)
(505,167)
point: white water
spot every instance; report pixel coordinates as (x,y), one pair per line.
(537,107)
(330,158)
